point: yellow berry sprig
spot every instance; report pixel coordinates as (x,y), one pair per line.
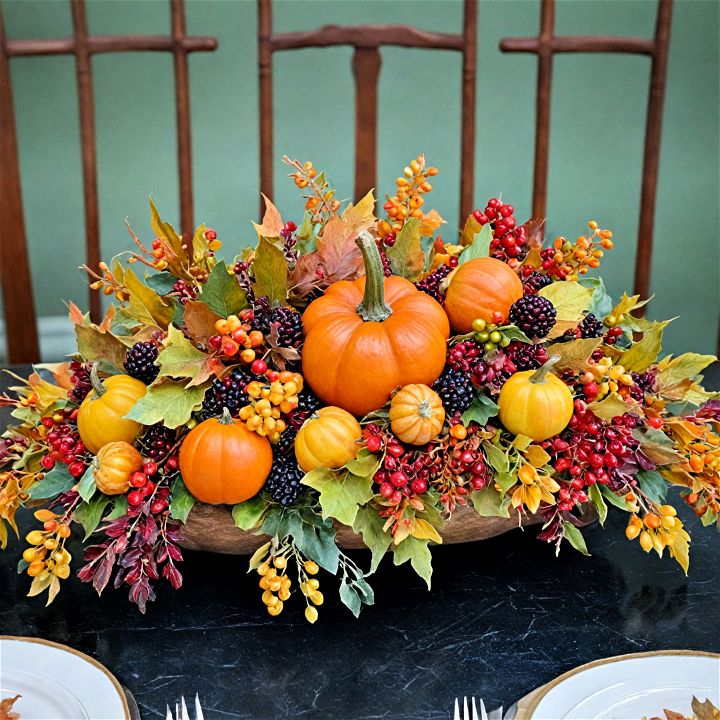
(269,401)
(656,530)
(571,260)
(321,201)
(47,553)
(408,199)
(108,282)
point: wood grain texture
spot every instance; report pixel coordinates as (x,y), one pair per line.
(211,528)
(20,327)
(545,46)
(366,40)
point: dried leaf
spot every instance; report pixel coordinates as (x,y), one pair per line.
(145,305)
(272,222)
(611,406)
(574,355)
(271,272)
(423,530)
(536,456)
(200,321)
(181,359)
(337,251)
(406,255)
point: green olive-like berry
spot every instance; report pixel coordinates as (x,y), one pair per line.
(482,336)
(479,325)
(495,337)
(489,346)
(610,321)
(504,342)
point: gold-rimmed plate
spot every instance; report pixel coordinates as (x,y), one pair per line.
(627,686)
(58,682)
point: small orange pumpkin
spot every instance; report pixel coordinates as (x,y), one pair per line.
(101,417)
(536,403)
(479,288)
(221,461)
(328,438)
(359,348)
(114,465)
(416,414)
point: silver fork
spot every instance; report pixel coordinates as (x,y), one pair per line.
(484,715)
(181,712)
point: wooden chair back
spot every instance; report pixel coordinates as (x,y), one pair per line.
(366,41)
(20,320)
(545,46)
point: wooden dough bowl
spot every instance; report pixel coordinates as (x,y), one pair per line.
(211,528)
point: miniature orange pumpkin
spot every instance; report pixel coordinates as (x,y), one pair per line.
(416,414)
(478,289)
(536,403)
(359,348)
(328,438)
(221,461)
(114,465)
(101,418)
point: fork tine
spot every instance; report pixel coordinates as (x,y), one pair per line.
(456,714)
(168,715)
(466,712)
(198,710)
(474,708)
(183,707)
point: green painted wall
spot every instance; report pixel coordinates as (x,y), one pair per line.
(597,131)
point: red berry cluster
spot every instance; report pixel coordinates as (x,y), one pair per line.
(488,370)
(64,443)
(183,291)
(590,451)
(612,335)
(404,472)
(469,461)
(509,242)
(80,380)
(289,240)
(143,487)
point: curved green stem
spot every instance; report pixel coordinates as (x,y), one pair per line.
(97,385)
(541,373)
(373,307)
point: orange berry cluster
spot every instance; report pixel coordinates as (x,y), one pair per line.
(48,553)
(656,529)
(323,197)
(109,283)
(269,401)
(575,259)
(408,199)
(235,337)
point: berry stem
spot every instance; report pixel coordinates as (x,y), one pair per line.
(373,307)
(98,387)
(540,374)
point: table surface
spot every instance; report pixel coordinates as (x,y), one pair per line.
(504,616)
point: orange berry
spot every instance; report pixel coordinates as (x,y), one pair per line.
(652,521)
(458,431)
(247,356)
(256,338)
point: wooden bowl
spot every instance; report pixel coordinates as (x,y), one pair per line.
(211,528)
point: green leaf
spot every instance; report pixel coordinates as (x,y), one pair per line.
(613,499)
(259,555)
(120,506)
(570,300)
(182,501)
(481,410)
(480,246)
(222,292)
(89,514)
(496,457)
(514,333)
(653,485)
(644,353)
(489,503)
(601,302)
(575,538)
(418,553)
(505,480)
(247,515)
(597,500)
(169,402)
(406,255)
(181,359)
(93,344)
(365,464)
(58,480)
(145,305)
(162,282)
(86,486)
(708,518)
(271,272)
(370,525)
(611,406)
(350,598)
(340,493)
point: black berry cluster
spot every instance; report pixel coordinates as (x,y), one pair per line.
(140,362)
(526,357)
(431,284)
(80,380)
(228,392)
(157,442)
(534,282)
(283,483)
(534,315)
(455,390)
(591,327)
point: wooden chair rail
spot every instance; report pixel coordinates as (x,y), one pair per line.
(366,41)
(548,44)
(14,268)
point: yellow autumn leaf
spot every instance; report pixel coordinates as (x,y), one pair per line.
(537,456)
(423,530)
(430,223)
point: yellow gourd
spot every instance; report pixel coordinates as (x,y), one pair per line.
(328,438)
(416,414)
(101,418)
(536,403)
(114,465)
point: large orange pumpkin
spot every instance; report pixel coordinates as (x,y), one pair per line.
(366,337)
(479,288)
(221,461)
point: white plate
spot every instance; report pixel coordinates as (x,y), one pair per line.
(57,682)
(630,687)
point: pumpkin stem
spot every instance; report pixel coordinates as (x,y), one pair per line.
(226,418)
(97,385)
(424,410)
(540,374)
(373,307)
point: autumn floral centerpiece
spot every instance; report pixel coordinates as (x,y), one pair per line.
(352,373)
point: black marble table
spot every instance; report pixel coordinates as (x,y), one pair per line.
(504,616)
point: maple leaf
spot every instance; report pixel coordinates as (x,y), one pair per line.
(199,321)
(574,355)
(272,223)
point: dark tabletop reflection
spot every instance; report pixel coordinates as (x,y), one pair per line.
(503,617)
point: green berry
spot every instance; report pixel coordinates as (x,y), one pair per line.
(489,346)
(504,342)
(478,325)
(483,336)
(495,337)
(610,321)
